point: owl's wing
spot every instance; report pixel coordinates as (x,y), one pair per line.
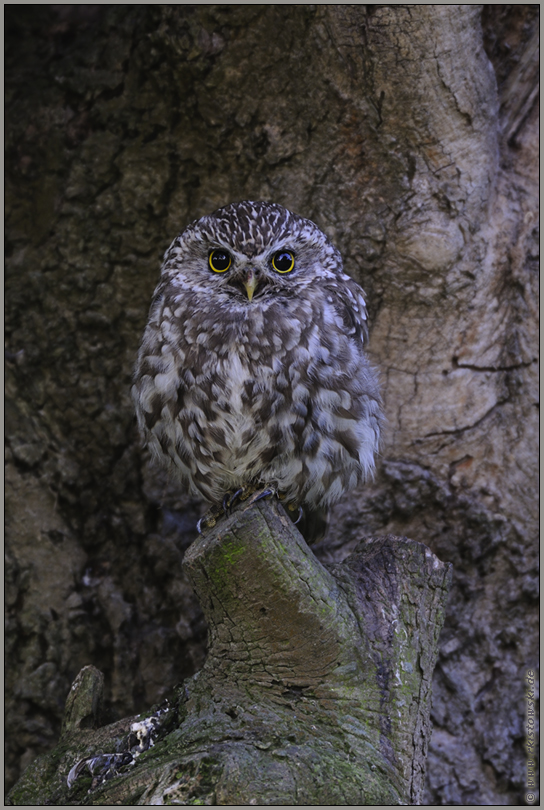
(348,301)
(158,378)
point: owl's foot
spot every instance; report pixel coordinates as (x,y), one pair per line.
(211,517)
(271,492)
(268,492)
(244,494)
(217,511)
(231,498)
(250,494)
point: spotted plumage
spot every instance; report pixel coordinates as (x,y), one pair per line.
(255,375)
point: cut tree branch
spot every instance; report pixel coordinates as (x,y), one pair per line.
(316,688)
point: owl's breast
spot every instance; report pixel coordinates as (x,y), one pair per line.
(224,422)
(277,392)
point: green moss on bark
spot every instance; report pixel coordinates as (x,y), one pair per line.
(315,691)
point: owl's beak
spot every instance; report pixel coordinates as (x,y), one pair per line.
(250,283)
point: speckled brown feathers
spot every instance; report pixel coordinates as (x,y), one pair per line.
(269,389)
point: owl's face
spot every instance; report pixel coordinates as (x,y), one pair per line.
(249,252)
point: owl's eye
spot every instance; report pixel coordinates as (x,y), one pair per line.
(283,261)
(220,260)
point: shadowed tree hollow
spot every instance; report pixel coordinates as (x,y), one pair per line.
(408,133)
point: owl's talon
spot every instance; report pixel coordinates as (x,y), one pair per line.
(239,494)
(209,520)
(266,493)
(299,518)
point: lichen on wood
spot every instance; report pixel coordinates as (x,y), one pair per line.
(315,690)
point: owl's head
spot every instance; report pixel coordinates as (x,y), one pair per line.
(249,251)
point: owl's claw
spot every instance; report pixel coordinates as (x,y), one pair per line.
(266,493)
(230,499)
(211,517)
(299,518)
(217,511)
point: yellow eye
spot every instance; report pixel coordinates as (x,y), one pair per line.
(283,261)
(220,260)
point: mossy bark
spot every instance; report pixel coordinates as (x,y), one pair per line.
(316,688)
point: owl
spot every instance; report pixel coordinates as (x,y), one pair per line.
(251,377)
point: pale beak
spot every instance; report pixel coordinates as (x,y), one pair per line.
(250,284)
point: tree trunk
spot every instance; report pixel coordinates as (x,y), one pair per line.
(392,129)
(315,691)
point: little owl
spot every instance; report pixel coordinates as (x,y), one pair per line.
(251,376)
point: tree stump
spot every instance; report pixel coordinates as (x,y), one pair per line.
(316,689)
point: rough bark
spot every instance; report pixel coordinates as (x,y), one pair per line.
(316,688)
(390,128)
